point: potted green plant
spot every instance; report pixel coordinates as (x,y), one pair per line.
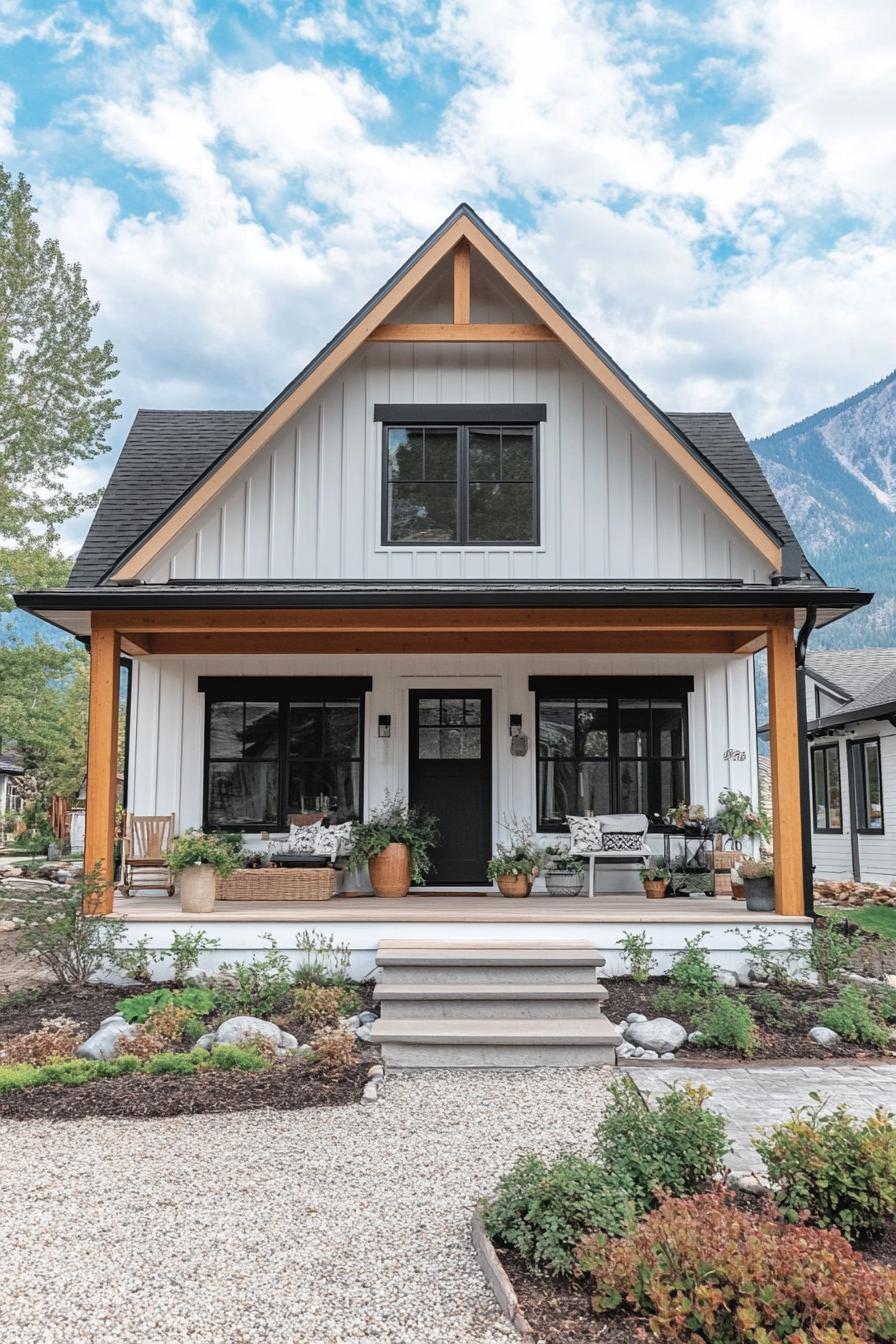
(201,857)
(655,878)
(739,819)
(686,816)
(394,843)
(564,873)
(759,883)
(514,866)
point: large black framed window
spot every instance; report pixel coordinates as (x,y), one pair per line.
(460,485)
(276,746)
(610,744)
(867,784)
(827,798)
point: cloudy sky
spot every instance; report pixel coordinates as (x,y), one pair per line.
(707,184)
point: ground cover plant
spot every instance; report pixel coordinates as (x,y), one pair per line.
(74,1072)
(728,1023)
(837,1170)
(692,980)
(702,1269)
(853,1018)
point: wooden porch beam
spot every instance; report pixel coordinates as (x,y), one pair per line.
(462,331)
(786,746)
(102,762)
(461,282)
(748,623)
(446,641)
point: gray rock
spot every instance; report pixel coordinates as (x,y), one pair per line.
(668,1054)
(109,1042)
(288,1041)
(625,1051)
(636,1017)
(238,1030)
(363,1033)
(695,1037)
(205,1042)
(823,1036)
(114,1017)
(366,1019)
(650,1054)
(747,1181)
(661,1035)
(371,1092)
(860,979)
(303,1050)
(727,978)
(350,1023)
(638,1052)
(376,1071)
(743,979)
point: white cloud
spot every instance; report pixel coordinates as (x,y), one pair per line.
(8,103)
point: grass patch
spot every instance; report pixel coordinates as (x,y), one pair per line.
(877,919)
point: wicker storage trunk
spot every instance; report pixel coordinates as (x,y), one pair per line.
(278,884)
(723,860)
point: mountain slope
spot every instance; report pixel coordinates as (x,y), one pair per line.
(835,476)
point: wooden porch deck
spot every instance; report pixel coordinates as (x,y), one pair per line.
(466,907)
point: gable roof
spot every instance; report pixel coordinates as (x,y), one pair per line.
(167,452)
(463,225)
(866,676)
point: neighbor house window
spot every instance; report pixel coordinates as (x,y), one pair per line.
(868,785)
(275,747)
(458,485)
(826,792)
(610,745)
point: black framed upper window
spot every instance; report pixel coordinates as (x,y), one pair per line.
(868,786)
(826,792)
(459,485)
(610,745)
(275,747)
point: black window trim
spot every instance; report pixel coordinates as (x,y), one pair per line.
(826,747)
(463,493)
(283,690)
(864,742)
(611,688)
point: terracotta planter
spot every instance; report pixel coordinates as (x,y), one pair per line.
(198,885)
(655,891)
(390,871)
(510,885)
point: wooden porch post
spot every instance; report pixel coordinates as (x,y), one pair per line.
(785,748)
(102,761)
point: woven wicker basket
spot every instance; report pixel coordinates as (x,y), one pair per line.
(278,884)
(723,860)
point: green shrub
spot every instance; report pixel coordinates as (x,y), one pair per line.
(54,929)
(773,1010)
(828,949)
(852,1018)
(636,950)
(259,987)
(187,948)
(244,1057)
(542,1209)
(728,1024)
(883,1001)
(839,1169)
(171,1063)
(701,1269)
(141,1007)
(677,1145)
(137,960)
(692,980)
(193,1028)
(772,963)
(323,960)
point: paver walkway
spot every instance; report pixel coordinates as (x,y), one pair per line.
(755,1095)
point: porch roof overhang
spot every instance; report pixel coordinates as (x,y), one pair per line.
(710,616)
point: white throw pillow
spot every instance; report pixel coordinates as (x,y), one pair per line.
(584,834)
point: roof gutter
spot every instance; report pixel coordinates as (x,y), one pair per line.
(802,644)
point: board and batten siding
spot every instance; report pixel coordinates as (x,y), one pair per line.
(612,504)
(832,853)
(167,719)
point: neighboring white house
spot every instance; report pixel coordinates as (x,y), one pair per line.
(462,524)
(11,771)
(851,712)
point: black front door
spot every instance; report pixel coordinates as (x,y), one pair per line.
(450,775)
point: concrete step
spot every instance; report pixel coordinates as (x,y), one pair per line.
(424,962)
(464,1000)
(509,1043)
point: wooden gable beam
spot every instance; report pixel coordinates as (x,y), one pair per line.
(462,331)
(461,279)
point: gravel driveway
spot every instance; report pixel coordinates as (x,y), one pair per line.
(274,1227)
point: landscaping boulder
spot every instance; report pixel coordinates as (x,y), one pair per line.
(242,1030)
(727,978)
(636,1017)
(110,1041)
(662,1035)
(823,1036)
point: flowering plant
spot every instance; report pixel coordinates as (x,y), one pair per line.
(685,814)
(739,819)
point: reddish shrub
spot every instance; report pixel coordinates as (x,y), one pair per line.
(701,1269)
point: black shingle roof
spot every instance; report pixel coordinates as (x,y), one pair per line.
(167,451)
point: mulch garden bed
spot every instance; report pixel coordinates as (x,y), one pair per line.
(286,1085)
(785,1042)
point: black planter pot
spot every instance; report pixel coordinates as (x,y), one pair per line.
(760,893)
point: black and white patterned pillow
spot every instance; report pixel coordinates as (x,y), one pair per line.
(584,834)
(621,840)
(306,839)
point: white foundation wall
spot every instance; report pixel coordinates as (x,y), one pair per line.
(832,853)
(167,720)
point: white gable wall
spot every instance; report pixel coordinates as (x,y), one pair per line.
(613,505)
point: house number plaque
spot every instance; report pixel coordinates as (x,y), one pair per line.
(734,754)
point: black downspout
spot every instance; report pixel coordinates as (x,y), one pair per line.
(802,641)
(128,666)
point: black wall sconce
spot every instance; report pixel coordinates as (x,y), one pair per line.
(516,725)
(384,725)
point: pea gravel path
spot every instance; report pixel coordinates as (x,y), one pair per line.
(323,1226)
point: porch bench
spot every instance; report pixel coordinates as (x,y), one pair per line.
(621,824)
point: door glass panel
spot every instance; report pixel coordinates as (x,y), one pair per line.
(472,711)
(452,711)
(429,711)
(429,744)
